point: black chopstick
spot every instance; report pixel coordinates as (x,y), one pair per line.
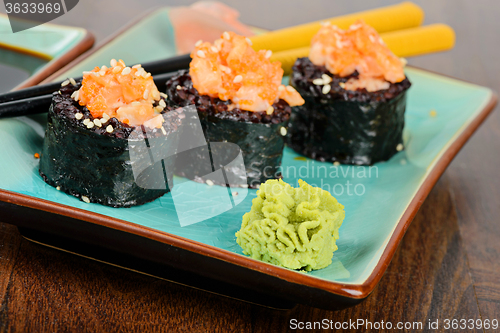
(154,67)
(41,104)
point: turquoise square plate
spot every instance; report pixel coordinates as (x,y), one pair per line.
(28,57)
(380,201)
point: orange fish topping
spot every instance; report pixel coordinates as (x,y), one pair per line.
(360,49)
(122,92)
(231,69)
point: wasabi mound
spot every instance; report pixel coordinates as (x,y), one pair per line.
(292,227)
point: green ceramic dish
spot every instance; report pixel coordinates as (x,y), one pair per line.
(380,201)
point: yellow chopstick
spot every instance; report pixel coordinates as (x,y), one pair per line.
(396,17)
(403,43)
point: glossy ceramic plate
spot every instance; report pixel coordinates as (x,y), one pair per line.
(380,201)
(38,52)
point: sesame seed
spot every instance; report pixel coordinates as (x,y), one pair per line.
(281,88)
(156,95)
(235,194)
(146,94)
(60,93)
(248,41)
(200,54)
(86,121)
(102,72)
(342,85)
(218,44)
(85,199)
(226,35)
(226,69)
(78,115)
(105,115)
(159,108)
(162,103)
(283,131)
(198,43)
(164,95)
(336,163)
(209,182)
(140,72)
(103,68)
(372,39)
(214,49)
(65,83)
(73,82)
(404,62)
(146,75)
(326,89)
(90,125)
(122,62)
(399,147)
(163,131)
(58,188)
(87,72)
(103,120)
(75,95)
(126,70)
(97,122)
(117,69)
(109,129)
(270,110)
(113,62)
(137,66)
(238,79)
(318,82)
(269,53)
(178,87)
(381,41)
(326,79)
(290,88)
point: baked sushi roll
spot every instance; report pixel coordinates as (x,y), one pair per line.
(240,99)
(95,124)
(354,89)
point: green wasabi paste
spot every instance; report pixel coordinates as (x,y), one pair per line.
(292,227)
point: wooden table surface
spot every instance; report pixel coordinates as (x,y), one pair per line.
(447,266)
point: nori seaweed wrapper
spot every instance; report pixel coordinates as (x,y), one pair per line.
(97,164)
(350,127)
(258,135)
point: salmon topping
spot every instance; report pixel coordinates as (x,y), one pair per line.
(230,69)
(125,93)
(360,49)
